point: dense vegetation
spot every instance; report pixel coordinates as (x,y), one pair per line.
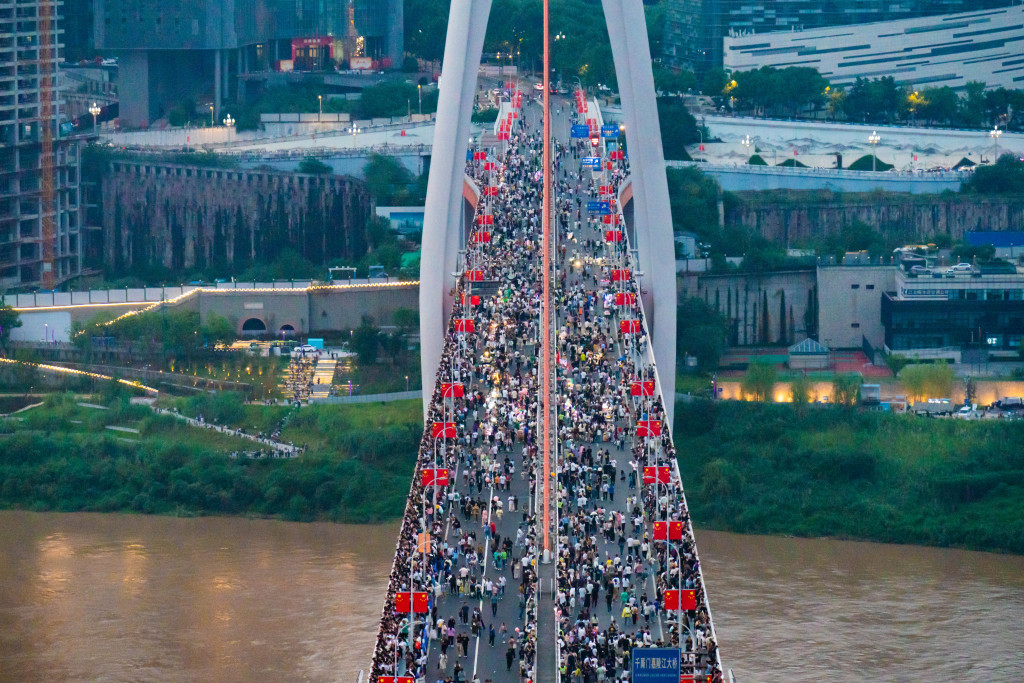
(357,468)
(809,471)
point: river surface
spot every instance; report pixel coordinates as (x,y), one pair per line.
(120,597)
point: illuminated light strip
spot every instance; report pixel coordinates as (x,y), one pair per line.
(206,290)
(81,373)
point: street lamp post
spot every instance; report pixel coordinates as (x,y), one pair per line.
(211,116)
(229,122)
(419,92)
(355,131)
(874,139)
(94,109)
(746,141)
(994,134)
(320,100)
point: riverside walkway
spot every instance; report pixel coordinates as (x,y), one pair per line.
(484,604)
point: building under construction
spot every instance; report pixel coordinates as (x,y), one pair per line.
(40,216)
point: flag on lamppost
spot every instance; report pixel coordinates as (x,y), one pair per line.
(612,235)
(641,388)
(395,679)
(465,325)
(648,428)
(452,390)
(475,275)
(660,474)
(625,298)
(620,275)
(438,476)
(485,219)
(470,300)
(675,531)
(630,327)
(481,237)
(419,602)
(445,430)
(688,597)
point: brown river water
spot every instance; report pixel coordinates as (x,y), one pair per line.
(135,598)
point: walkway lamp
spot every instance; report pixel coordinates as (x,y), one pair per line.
(874,139)
(994,134)
(355,131)
(230,123)
(94,109)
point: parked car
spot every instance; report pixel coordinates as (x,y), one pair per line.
(920,270)
(305,350)
(960,268)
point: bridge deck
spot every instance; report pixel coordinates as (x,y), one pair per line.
(606,547)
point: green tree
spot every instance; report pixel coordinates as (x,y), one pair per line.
(9,321)
(922,381)
(406,318)
(1005,176)
(678,127)
(759,380)
(896,362)
(390,182)
(701,332)
(366,341)
(313,165)
(846,389)
(802,389)
(714,82)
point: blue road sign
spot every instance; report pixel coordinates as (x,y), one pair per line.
(580,131)
(469,155)
(609,131)
(603,208)
(655,665)
(592,162)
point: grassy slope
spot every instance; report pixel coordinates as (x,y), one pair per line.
(62,457)
(765,468)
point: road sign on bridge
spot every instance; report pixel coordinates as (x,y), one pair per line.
(655,665)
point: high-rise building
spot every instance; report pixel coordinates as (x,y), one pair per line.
(695,29)
(40,198)
(174,50)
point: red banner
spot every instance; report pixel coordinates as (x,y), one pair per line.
(675,531)
(394,679)
(660,474)
(465,325)
(438,476)
(612,219)
(648,428)
(481,237)
(479,156)
(689,599)
(617,155)
(444,430)
(607,165)
(470,299)
(644,388)
(475,275)
(661,531)
(452,390)
(491,190)
(606,189)
(612,235)
(485,219)
(620,275)
(625,298)
(630,327)
(419,602)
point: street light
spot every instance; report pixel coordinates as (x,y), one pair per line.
(355,131)
(211,116)
(320,99)
(419,92)
(994,134)
(746,143)
(874,139)
(229,122)
(95,111)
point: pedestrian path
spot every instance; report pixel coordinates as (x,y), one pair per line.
(323,378)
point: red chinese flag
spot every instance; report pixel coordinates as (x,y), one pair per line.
(481,237)
(607,165)
(475,275)
(648,428)
(660,532)
(515,115)
(452,390)
(480,156)
(675,531)
(402,602)
(607,220)
(630,327)
(435,476)
(660,474)
(606,189)
(689,598)
(649,475)
(465,325)
(470,299)
(612,235)
(491,191)
(671,597)
(419,603)
(443,429)
(620,275)
(617,155)
(625,298)
(490,166)
(485,219)
(642,388)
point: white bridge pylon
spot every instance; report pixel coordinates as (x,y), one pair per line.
(446,223)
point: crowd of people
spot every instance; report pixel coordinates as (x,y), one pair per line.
(297,384)
(472,545)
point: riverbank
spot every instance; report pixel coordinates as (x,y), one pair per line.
(73,455)
(762,468)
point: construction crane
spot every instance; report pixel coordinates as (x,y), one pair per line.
(47,92)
